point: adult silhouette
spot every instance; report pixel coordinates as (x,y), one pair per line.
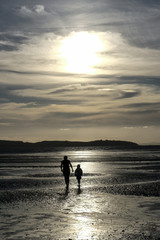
(65,168)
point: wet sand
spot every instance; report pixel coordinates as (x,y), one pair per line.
(117,200)
(79,214)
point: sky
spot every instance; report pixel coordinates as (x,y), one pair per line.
(80,70)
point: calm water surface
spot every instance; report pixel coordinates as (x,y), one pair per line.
(99,167)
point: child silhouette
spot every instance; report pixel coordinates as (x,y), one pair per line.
(78,174)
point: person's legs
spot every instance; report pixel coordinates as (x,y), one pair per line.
(66,176)
(79,181)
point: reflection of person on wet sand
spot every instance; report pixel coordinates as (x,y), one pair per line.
(78,174)
(65,168)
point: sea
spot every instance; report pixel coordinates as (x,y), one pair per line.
(118,197)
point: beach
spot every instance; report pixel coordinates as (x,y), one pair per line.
(118,197)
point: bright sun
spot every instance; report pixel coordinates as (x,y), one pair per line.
(80,52)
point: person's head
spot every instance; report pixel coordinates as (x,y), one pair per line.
(65,157)
(78,166)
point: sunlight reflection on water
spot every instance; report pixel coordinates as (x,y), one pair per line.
(87,214)
(85,154)
(84,228)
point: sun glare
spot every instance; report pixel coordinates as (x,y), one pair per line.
(80,52)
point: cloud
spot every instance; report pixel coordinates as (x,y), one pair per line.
(65,129)
(30,107)
(4,124)
(34,96)
(70,119)
(137,127)
(142,113)
(114,59)
(137,21)
(128,94)
(143,105)
(44,73)
(8,47)
(28,17)
(10,94)
(143,80)
(37,10)
(67,88)
(140,80)
(13,37)
(11,41)
(24,11)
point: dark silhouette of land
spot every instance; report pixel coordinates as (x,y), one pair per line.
(49,146)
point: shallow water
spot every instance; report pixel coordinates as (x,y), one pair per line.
(118,198)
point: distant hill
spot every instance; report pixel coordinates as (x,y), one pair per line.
(48,146)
